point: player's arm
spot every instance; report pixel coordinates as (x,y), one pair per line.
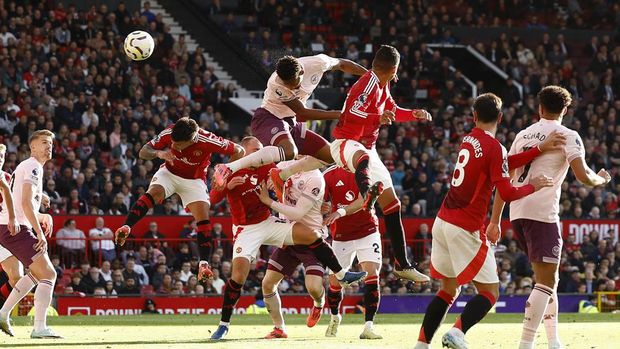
(349,67)
(147,152)
(345,211)
(216,195)
(31,216)
(554,141)
(304,113)
(500,177)
(294,213)
(238,152)
(494,231)
(13,226)
(585,175)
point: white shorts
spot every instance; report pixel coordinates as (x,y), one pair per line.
(189,190)
(458,253)
(4,254)
(366,249)
(342,150)
(273,232)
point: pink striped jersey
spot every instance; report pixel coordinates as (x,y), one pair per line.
(192,162)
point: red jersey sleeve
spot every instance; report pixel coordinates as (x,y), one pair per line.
(402,114)
(162,140)
(216,195)
(500,176)
(216,144)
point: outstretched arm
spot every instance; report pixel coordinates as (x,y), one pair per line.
(585,175)
(350,67)
(304,113)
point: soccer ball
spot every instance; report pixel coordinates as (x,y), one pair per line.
(139,45)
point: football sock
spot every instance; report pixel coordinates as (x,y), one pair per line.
(319,301)
(324,253)
(20,290)
(551,319)
(334,298)
(362,174)
(371,297)
(203,239)
(435,313)
(267,155)
(232,292)
(305,164)
(475,310)
(274,307)
(394,227)
(139,209)
(42,300)
(534,311)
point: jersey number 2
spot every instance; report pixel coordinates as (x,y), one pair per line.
(459,169)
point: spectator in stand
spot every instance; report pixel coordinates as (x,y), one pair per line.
(182,257)
(106,271)
(76,279)
(102,241)
(130,287)
(186,272)
(219,239)
(422,247)
(92,281)
(56,263)
(117,280)
(145,260)
(72,242)
(166,285)
(153,233)
(132,267)
(217,283)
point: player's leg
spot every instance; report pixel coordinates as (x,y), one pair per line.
(314,285)
(273,303)
(314,146)
(372,298)
(155,194)
(232,289)
(200,211)
(302,235)
(352,156)
(345,252)
(11,272)
(43,270)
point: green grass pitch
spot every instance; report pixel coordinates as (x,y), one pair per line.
(497,331)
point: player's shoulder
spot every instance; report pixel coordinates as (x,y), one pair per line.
(366,83)
(205,137)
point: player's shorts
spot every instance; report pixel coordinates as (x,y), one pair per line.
(4,254)
(366,249)
(541,242)
(249,238)
(21,245)
(285,260)
(270,130)
(458,253)
(342,151)
(189,190)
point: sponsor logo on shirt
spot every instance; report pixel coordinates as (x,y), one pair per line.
(349,196)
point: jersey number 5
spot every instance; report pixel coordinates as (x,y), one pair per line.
(459,169)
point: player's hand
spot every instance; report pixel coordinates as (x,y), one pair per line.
(387,117)
(41,245)
(541,181)
(331,218)
(45,201)
(13,226)
(326,207)
(554,141)
(165,155)
(235,182)
(494,231)
(603,173)
(422,114)
(47,224)
(263,194)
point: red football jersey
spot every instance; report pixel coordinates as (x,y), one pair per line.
(341,190)
(192,162)
(245,206)
(482,162)
(360,120)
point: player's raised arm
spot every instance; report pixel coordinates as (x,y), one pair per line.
(349,67)
(304,113)
(404,114)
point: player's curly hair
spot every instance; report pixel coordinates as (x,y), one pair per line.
(554,99)
(183,130)
(488,107)
(288,68)
(386,58)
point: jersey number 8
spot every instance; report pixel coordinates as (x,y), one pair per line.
(459,168)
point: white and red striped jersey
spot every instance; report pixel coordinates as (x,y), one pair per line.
(192,162)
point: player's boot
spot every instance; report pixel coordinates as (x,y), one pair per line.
(278,183)
(220,333)
(422,345)
(351,277)
(44,333)
(454,339)
(373,194)
(411,273)
(314,316)
(121,234)
(220,175)
(332,328)
(276,333)
(5,326)
(204,272)
(556,345)
(369,333)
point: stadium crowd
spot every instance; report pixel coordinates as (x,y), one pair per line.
(64,70)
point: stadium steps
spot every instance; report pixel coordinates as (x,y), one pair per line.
(230,61)
(176,29)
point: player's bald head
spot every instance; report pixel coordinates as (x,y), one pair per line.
(386,59)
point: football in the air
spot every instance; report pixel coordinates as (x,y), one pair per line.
(139,45)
